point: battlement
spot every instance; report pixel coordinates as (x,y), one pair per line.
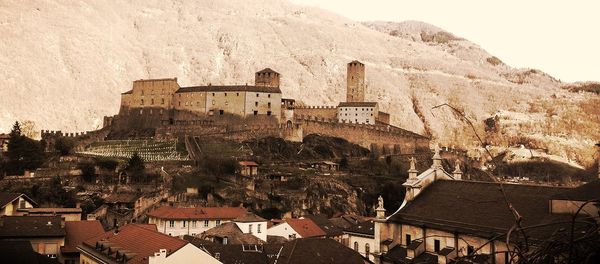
(381,128)
(317,107)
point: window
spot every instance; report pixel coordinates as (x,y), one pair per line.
(179,103)
(268,113)
(258,229)
(436,245)
(506,258)
(194,223)
(367,249)
(470,250)
(237,94)
(269,105)
(184,223)
(152,101)
(213,94)
(269,95)
(205,223)
(256,95)
(162,100)
(225,94)
(255,112)
(408,239)
(218,222)
(171,223)
(221,112)
(225,240)
(142,103)
(355,246)
(250,228)
(22,203)
(218,255)
(255,103)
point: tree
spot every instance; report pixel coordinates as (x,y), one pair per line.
(64,146)
(23,153)
(135,168)
(88,172)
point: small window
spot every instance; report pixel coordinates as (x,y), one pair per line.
(179,103)
(237,94)
(171,224)
(355,246)
(256,95)
(269,95)
(152,101)
(194,223)
(142,103)
(22,203)
(221,112)
(268,113)
(218,222)
(255,112)
(255,103)
(258,228)
(205,223)
(367,250)
(213,94)
(162,100)
(436,245)
(225,94)
(218,255)
(408,239)
(184,223)
(269,105)
(506,258)
(250,228)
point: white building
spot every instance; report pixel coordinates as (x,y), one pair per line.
(187,254)
(252,224)
(191,221)
(358,112)
(361,238)
(296,228)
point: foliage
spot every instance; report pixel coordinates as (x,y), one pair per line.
(64,146)
(271,213)
(91,203)
(219,165)
(135,168)
(88,171)
(23,153)
(107,163)
(48,194)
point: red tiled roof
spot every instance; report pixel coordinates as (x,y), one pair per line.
(169,212)
(140,240)
(78,231)
(305,227)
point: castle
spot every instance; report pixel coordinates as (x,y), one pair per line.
(162,108)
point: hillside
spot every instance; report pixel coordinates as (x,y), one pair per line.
(64,64)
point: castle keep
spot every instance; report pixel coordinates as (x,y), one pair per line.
(161,108)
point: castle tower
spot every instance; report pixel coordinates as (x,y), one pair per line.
(355,82)
(266,77)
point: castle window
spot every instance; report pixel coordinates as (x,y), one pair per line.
(179,103)
(255,112)
(162,101)
(221,112)
(256,95)
(269,105)
(255,103)
(237,94)
(213,94)
(142,102)
(268,113)
(436,245)
(225,94)
(152,101)
(269,95)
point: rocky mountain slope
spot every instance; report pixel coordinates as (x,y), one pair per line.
(64,63)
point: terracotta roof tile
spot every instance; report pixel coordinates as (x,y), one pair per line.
(169,212)
(79,231)
(305,227)
(140,240)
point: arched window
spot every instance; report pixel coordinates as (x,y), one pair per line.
(367,249)
(355,246)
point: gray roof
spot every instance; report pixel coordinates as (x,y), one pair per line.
(229,88)
(357,104)
(31,226)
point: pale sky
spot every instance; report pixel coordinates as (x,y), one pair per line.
(561,38)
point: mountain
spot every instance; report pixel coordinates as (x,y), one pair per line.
(65,63)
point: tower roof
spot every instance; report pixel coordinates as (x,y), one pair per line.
(267,70)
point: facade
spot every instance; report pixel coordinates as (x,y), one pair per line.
(358,112)
(361,238)
(355,82)
(436,222)
(15,203)
(248,168)
(192,221)
(252,224)
(186,254)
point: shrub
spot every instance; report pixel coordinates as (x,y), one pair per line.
(64,146)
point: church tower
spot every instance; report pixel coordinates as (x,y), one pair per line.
(267,77)
(355,80)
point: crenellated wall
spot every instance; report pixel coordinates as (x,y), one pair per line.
(327,112)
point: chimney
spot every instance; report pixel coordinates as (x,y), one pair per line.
(457,173)
(412,172)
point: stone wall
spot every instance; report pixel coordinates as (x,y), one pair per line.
(327,112)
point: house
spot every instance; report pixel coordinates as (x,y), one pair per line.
(192,221)
(302,250)
(20,251)
(329,166)
(248,168)
(253,224)
(296,228)
(120,209)
(141,244)
(12,203)
(230,233)
(67,214)
(76,233)
(331,230)
(445,219)
(361,238)
(46,234)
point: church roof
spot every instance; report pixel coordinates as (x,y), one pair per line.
(229,88)
(479,207)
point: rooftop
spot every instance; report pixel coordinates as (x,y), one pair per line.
(233,233)
(449,205)
(31,226)
(318,250)
(248,163)
(327,226)
(79,231)
(586,192)
(169,212)
(357,104)
(365,228)
(6,198)
(138,241)
(305,227)
(229,88)
(249,217)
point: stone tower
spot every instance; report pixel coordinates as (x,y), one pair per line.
(266,77)
(355,79)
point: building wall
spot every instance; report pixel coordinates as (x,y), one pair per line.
(571,207)
(464,241)
(194,102)
(47,246)
(263,103)
(256,227)
(229,102)
(320,112)
(362,245)
(86,259)
(357,114)
(11,208)
(355,80)
(187,254)
(188,228)
(283,230)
